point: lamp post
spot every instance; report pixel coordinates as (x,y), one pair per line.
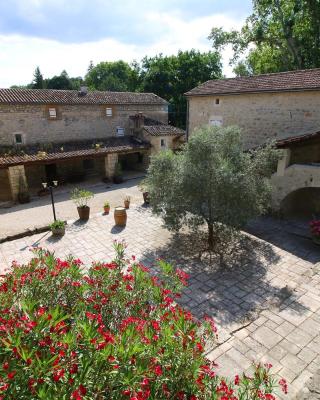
(55,184)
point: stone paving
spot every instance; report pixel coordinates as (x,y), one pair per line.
(266,301)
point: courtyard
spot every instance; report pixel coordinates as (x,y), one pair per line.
(266,301)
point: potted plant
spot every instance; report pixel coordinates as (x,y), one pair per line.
(145,193)
(58,228)
(118,175)
(23,194)
(315,230)
(81,198)
(127,202)
(106,207)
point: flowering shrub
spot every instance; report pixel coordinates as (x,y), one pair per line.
(113,331)
(315,228)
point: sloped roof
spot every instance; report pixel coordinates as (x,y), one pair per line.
(79,149)
(293,140)
(300,80)
(53,96)
(158,128)
(163,130)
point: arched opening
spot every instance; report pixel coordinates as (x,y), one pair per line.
(304,202)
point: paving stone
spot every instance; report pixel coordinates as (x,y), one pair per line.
(299,338)
(266,336)
(293,363)
(285,328)
(307,355)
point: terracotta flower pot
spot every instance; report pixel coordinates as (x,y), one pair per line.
(58,231)
(126,204)
(106,210)
(84,213)
(146,197)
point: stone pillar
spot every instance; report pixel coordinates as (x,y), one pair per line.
(110,162)
(17,176)
(283,162)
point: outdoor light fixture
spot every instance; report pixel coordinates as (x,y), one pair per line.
(55,184)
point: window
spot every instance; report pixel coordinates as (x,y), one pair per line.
(52,113)
(163,143)
(120,131)
(217,102)
(215,122)
(18,138)
(109,112)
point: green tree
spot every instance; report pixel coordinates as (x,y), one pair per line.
(171,76)
(61,82)
(116,76)
(279,35)
(212,181)
(38,82)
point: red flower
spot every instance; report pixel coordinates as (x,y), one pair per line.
(284,385)
(236,380)
(5,365)
(57,375)
(11,374)
(158,370)
(73,369)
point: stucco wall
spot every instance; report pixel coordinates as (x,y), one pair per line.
(261,116)
(73,122)
(295,177)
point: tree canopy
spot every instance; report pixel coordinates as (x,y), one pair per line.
(116,76)
(171,76)
(279,35)
(212,181)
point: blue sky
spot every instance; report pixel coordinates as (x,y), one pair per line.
(67,34)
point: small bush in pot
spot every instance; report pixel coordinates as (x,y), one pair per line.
(58,228)
(145,193)
(127,202)
(81,198)
(106,207)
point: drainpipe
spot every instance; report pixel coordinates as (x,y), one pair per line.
(187,121)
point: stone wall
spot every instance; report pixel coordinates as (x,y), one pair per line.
(17,178)
(5,191)
(73,122)
(261,116)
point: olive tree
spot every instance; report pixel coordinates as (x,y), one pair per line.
(212,181)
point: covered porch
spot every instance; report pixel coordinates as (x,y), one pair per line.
(70,167)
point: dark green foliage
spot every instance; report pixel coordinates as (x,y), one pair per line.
(280,35)
(212,181)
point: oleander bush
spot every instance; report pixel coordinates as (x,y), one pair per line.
(112,331)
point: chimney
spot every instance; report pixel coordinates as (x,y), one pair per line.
(139,120)
(83,90)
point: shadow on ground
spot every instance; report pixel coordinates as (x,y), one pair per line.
(291,235)
(232,293)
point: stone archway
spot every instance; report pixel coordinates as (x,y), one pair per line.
(303,202)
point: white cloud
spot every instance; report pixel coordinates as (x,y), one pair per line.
(20,54)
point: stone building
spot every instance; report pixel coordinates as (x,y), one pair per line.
(67,135)
(282,106)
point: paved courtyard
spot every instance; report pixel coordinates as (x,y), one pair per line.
(266,301)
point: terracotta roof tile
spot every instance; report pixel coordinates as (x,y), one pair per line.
(282,143)
(52,96)
(308,79)
(117,145)
(163,130)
